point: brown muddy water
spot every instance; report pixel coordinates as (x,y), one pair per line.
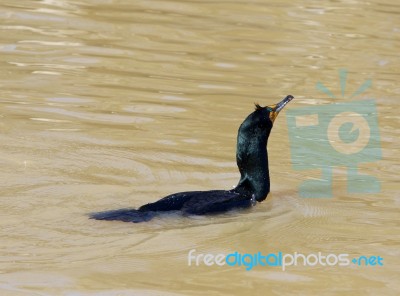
(108,104)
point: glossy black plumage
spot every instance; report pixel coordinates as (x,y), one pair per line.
(253,186)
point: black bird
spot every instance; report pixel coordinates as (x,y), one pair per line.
(253,187)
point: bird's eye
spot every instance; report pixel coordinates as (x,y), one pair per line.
(269,109)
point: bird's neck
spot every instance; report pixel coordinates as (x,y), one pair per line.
(252,161)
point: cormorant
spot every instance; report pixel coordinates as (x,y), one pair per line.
(253,186)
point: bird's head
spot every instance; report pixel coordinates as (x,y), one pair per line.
(258,124)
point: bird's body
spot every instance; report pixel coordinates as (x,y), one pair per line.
(253,186)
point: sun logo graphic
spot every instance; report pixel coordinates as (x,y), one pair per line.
(343,134)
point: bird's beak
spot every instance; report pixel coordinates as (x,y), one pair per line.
(278,107)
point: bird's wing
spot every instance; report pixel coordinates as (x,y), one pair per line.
(216,201)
